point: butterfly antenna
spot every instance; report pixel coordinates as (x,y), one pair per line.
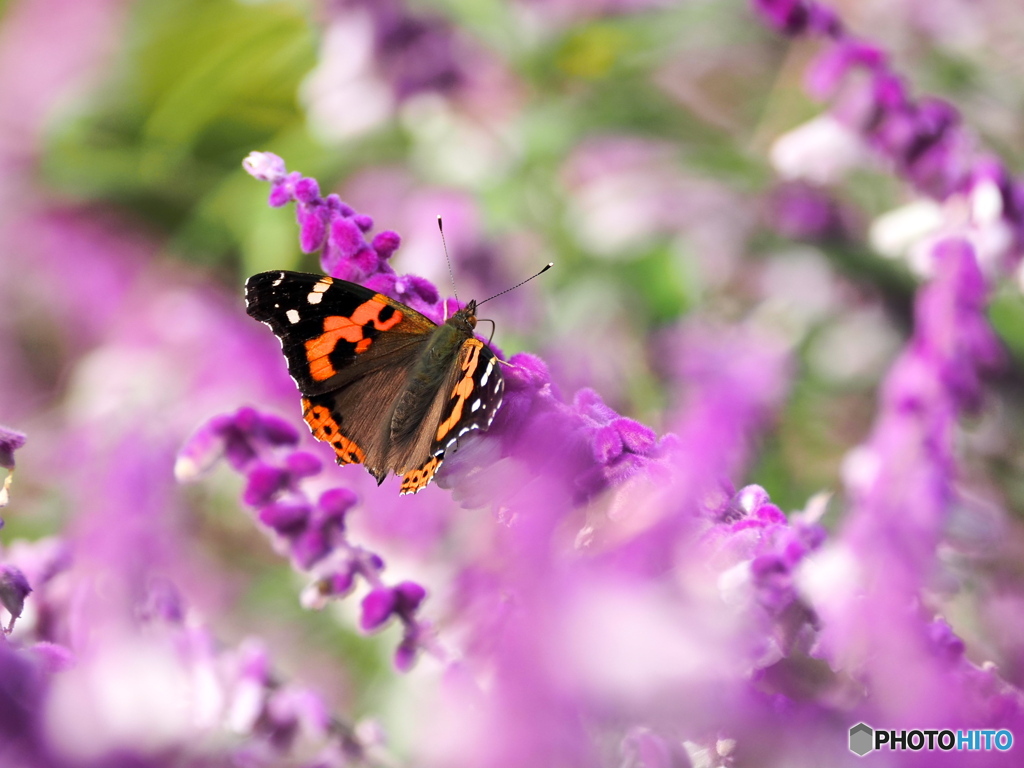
(451,274)
(549,266)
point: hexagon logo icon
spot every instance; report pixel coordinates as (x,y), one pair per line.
(861,739)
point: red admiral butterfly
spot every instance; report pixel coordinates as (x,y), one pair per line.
(384,385)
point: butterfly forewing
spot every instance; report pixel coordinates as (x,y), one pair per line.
(327,327)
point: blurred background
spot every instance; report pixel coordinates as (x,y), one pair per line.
(646,147)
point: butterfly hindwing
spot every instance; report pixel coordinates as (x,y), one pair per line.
(469,400)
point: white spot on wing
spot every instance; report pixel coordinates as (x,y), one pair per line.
(475,406)
(292,315)
(316,294)
(487,372)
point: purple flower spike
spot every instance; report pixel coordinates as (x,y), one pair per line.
(281,193)
(239,437)
(277,431)
(377,608)
(326,224)
(10,441)
(310,547)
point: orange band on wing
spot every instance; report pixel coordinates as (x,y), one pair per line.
(351,329)
(324,427)
(463,389)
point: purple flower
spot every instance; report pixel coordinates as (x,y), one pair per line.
(416,53)
(401,600)
(14,588)
(377,608)
(923,139)
(10,441)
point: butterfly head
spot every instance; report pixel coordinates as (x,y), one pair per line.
(465,318)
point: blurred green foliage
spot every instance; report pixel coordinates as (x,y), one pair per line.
(201,83)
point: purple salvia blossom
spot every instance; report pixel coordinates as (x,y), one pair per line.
(901,482)
(924,140)
(908,465)
(325,223)
(237,438)
(204,704)
(901,487)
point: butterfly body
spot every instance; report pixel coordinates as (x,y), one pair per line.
(384,385)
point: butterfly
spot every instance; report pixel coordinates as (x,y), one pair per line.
(387,387)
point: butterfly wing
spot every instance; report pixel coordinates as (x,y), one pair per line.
(346,347)
(332,331)
(469,400)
